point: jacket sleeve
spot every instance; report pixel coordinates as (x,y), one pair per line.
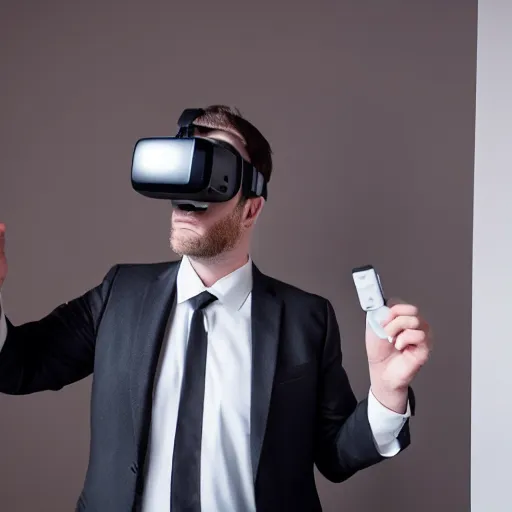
(344,439)
(56,350)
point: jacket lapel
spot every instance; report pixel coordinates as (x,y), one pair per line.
(266,317)
(154,313)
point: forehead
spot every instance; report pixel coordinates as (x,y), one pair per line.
(236,141)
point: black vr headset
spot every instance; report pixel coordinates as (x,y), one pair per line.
(192,171)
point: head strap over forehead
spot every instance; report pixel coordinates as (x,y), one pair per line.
(186,121)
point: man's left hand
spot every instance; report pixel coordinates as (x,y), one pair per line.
(394,365)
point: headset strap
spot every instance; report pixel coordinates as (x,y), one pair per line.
(254,184)
(186,120)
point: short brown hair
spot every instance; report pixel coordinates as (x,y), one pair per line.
(230,119)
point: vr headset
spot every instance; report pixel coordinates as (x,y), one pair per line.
(192,171)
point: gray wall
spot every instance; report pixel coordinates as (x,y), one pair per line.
(491,442)
(370,109)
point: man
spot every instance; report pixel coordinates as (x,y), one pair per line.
(237,421)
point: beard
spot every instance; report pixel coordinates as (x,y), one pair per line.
(220,237)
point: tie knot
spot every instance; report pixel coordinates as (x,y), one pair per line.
(202,300)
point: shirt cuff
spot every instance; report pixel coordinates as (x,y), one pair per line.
(386,426)
(3,325)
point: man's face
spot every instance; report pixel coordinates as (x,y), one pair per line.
(209,233)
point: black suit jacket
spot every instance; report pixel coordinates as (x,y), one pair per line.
(303,409)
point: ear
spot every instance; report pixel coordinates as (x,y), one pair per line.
(252,210)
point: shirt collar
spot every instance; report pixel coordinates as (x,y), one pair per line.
(232,290)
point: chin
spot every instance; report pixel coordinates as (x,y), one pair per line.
(178,246)
(183,246)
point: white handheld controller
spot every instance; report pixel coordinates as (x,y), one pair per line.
(371,298)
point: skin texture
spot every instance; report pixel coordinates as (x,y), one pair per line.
(218,241)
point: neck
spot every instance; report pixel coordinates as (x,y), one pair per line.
(210,270)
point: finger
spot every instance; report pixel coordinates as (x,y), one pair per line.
(420,353)
(401,310)
(410,337)
(405,310)
(2,237)
(402,323)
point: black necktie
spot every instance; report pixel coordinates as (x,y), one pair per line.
(186,464)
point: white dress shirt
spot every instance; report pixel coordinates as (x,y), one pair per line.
(226,473)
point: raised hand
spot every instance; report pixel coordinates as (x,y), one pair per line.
(394,365)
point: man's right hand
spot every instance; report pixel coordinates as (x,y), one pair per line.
(3,258)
